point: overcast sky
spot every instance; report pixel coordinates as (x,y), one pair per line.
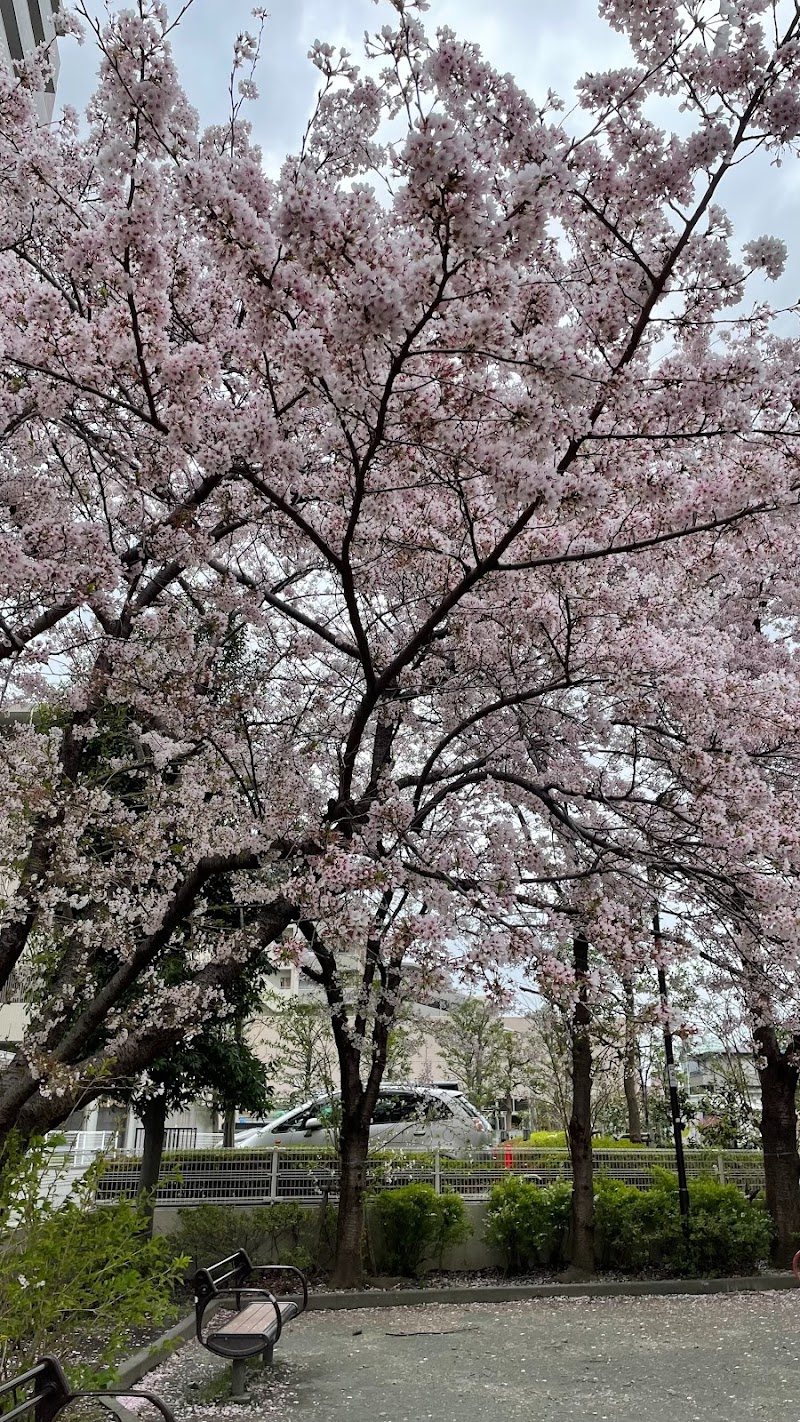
(543,43)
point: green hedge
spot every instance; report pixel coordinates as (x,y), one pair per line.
(641,1230)
(557,1140)
(417,1226)
(529,1224)
(636,1231)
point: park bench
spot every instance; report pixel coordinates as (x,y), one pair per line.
(46,1392)
(259,1317)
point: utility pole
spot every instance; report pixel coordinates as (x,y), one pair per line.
(674,1098)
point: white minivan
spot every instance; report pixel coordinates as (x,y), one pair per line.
(405,1118)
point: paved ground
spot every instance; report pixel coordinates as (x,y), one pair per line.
(636,1360)
(676,1359)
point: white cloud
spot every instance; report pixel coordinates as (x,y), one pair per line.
(544,45)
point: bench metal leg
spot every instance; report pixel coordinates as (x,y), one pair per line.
(266,1356)
(238,1390)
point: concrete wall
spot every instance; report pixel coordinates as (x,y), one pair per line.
(13,1020)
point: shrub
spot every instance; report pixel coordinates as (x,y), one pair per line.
(729,1234)
(282,1233)
(528,1224)
(418,1225)
(77,1276)
(557,1140)
(642,1230)
(635,1230)
(615,1143)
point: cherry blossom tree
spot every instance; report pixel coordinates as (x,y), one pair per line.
(752,967)
(449,433)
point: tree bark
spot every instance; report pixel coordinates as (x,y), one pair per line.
(630,1068)
(154,1119)
(580,1122)
(358,1099)
(26,1110)
(229,1128)
(778,1076)
(348,1265)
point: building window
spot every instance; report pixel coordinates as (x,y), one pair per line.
(285,978)
(36,21)
(11,27)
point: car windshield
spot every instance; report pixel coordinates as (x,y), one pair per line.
(473,1112)
(325,1109)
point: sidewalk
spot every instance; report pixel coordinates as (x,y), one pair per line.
(674,1359)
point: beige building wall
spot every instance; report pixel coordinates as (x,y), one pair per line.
(427,1065)
(13,1014)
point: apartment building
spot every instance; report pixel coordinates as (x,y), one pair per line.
(25,24)
(421,1019)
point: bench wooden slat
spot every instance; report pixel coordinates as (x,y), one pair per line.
(257,1317)
(252,1319)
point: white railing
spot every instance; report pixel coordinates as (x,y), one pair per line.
(181,1138)
(80,1148)
(83,1146)
(250,1177)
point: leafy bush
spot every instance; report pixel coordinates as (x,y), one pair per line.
(615,1143)
(557,1140)
(75,1275)
(641,1229)
(729,1234)
(418,1225)
(636,1231)
(283,1233)
(528,1224)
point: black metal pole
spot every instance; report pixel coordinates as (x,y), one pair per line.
(674,1098)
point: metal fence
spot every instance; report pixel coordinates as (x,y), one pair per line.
(250,1177)
(177,1138)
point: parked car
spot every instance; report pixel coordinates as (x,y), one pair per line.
(405,1118)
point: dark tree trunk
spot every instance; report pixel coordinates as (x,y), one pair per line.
(778,1076)
(358,1105)
(26,1110)
(229,1128)
(154,1118)
(348,1265)
(580,1122)
(630,1068)
(358,1099)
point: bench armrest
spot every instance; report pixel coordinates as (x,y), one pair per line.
(282,1269)
(208,1281)
(126,1392)
(237,1293)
